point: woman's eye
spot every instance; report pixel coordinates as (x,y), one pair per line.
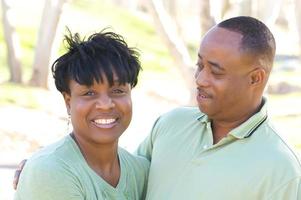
(89,93)
(118,91)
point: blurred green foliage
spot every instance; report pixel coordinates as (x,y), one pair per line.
(86,17)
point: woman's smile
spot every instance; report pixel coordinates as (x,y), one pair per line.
(105,123)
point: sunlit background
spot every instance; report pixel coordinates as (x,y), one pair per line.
(167,33)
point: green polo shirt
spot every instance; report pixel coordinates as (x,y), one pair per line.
(60,172)
(251,163)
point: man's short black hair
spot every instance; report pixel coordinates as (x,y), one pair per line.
(101,55)
(257,38)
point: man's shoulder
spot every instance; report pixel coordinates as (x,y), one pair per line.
(135,166)
(178,119)
(183,113)
(133,161)
(277,149)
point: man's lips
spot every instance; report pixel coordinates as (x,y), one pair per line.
(202,94)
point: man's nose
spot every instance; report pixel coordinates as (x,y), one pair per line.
(201,78)
(105,102)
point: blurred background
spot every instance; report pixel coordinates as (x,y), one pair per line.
(167,33)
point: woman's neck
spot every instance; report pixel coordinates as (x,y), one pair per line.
(102,158)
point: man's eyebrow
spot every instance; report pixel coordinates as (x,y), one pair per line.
(214,64)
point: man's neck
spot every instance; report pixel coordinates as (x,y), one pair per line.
(221,127)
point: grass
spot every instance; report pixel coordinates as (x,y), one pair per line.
(22,95)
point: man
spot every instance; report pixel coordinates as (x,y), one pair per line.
(227,149)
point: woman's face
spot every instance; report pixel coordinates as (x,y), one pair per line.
(99,113)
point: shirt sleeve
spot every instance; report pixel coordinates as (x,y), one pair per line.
(146,147)
(289,191)
(44,179)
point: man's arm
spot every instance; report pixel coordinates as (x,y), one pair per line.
(17,173)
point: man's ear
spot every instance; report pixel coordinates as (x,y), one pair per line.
(258,77)
(67,98)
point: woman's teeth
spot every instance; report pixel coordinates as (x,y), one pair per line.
(104,121)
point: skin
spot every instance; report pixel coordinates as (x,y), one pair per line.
(99,115)
(17,173)
(229,81)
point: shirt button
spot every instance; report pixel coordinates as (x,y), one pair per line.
(205,147)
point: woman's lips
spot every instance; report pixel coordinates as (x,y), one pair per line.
(105,123)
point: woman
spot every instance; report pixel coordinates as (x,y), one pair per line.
(95,77)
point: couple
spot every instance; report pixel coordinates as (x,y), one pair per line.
(226,149)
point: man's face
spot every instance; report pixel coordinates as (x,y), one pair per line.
(99,113)
(222,76)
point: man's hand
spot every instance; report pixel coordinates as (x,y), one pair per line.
(18,172)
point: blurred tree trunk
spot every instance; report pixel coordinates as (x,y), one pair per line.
(128,4)
(171,8)
(298,20)
(226,6)
(246,7)
(268,11)
(167,30)
(206,19)
(50,18)
(12,44)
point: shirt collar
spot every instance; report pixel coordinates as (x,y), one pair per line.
(203,118)
(247,128)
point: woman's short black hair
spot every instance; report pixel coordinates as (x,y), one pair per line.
(101,55)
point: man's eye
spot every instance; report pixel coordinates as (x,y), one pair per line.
(199,66)
(216,73)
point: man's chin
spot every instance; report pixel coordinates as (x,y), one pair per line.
(203,109)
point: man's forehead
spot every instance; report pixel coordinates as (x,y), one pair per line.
(218,35)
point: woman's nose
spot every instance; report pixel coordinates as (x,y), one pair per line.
(104,102)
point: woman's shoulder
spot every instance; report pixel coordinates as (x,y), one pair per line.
(49,173)
(53,155)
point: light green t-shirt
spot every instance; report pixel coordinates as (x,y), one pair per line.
(59,172)
(251,163)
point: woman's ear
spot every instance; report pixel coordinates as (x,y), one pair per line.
(67,98)
(258,77)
